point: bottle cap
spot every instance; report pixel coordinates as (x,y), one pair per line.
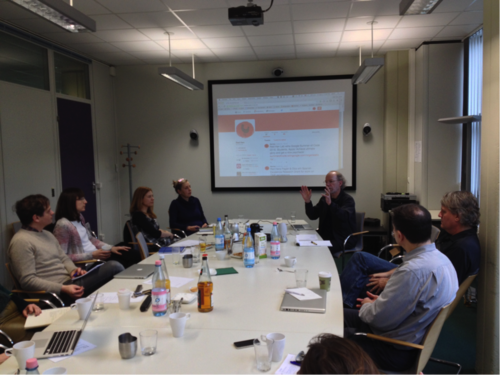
(218,219)
(248,229)
(205,256)
(31,364)
(158,263)
(275,223)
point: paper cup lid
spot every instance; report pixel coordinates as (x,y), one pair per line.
(324,274)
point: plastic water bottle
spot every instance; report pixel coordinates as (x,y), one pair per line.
(219,236)
(275,242)
(248,250)
(167,279)
(159,292)
(227,236)
(32,366)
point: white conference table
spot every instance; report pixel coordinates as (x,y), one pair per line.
(246,305)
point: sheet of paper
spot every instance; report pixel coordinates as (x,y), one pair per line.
(81,347)
(186,243)
(306,237)
(307,294)
(286,367)
(175,282)
(45,318)
(314,243)
(111,297)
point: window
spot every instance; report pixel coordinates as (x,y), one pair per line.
(72,76)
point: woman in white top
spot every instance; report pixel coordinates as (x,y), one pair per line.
(74,234)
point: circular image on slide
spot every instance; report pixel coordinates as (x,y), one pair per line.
(266,145)
(267,168)
(244,129)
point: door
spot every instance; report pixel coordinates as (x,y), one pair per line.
(77,152)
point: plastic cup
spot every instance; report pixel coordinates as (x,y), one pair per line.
(263,355)
(221,255)
(301,278)
(99,302)
(325,280)
(148,342)
(176,254)
(178,323)
(124,299)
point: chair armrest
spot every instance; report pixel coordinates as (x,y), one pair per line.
(387,247)
(7,337)
(34,300)
(39,292)
(390,341)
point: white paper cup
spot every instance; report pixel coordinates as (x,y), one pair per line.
(124,299)
(55,370)
(178,323)
(221,255)
(83,306)
(290,261)
(278,345)
(22,351)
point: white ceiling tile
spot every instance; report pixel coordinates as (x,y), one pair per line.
(318,26)
(175,33)
(120,35)
(90,7)
(198,53)
(225,52)
(363,23)
(277,14)
(468,18)
(365,35)
(130,6)
(268,50)
(453,6)
(70,38)
(317,11)
(422,33)
(401,44)
(271,40)
(476,6)
(269,28)
(12,11)
(153,19)
(217,31)
(281,56)
(323,47)
(110,22)
(38,25)
(314,38)
(204,17)
(196,4)
(373,8)
(459,31)
(316,54)
(160,54)
(95,48)
(433,19)
(118,57)
(234,42)
(138,46)
(179,44)
(366,46)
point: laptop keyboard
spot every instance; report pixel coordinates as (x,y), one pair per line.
(60,342)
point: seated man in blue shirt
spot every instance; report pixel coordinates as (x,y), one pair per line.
(425,282)
(458,241)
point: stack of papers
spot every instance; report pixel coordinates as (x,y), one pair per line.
(310,240)
(46,318)
(303,294)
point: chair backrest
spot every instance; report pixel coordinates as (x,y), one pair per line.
(143,246)
(435,233)
(461,291)
(129,233)
(16,226)
(360,224)
(431,337)
(14,280)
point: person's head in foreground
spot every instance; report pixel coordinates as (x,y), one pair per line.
(413,222)
(330,354)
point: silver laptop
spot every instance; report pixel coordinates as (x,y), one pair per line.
(301,227)
(59,343)
(290,303)
(137,271)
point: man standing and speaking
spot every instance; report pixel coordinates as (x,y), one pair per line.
(335,211)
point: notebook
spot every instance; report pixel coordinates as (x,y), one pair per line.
(59,343)
(290,303)
(137,271)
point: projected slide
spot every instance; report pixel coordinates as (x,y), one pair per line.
(275,134)
(281,135)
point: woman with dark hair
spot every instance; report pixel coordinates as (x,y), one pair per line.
(74,234)
(144,218)
(330,354)
(185,212)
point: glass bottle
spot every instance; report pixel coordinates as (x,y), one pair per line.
(205,287)
(159,292)
(248,250)
(219,236)
(227,236)
(275,242)
(167,279)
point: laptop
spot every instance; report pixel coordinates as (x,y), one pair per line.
(137,271)
(59,343)
(290,303)
(301,227)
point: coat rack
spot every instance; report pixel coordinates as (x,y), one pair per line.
(129,165)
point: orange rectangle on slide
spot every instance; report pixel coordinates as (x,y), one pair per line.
(283,121)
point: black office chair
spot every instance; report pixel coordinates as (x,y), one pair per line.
(360,222)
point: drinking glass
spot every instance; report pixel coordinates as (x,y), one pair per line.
(263,354)
(292,217)
(99,302)
(203,245)
(148,342)
(196,251)
(176,255)
(301,278)
(240,219)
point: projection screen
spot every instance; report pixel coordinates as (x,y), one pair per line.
(279,134)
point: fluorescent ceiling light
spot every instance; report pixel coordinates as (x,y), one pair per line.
(59,13)
(415,7)
(180,77)
(367,69)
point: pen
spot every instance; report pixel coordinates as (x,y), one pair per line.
(296,363)
(314,243)
(299,294)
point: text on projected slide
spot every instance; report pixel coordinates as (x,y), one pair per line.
(280,135)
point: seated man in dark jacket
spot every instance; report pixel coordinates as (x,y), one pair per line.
(335,211)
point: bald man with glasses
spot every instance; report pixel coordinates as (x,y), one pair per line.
(335,210)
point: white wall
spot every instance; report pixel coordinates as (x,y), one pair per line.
(157,115)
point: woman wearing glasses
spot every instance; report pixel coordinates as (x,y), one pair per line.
(185,212)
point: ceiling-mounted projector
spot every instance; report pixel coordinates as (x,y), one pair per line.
(249,15)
